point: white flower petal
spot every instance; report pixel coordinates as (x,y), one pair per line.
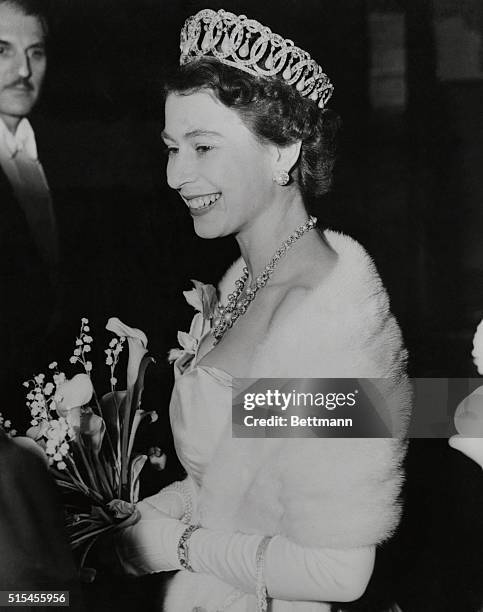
(75,392)
(187,342)
(119,328)
(193,298)
(174,354)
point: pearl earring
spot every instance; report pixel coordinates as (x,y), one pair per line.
(282,177)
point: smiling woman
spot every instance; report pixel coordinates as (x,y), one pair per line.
(209,166)
(250,143)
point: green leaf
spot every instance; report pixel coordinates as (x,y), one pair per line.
(139,385)
(112,404)
(137,465)
(133,401)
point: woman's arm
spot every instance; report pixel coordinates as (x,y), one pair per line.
(292,572)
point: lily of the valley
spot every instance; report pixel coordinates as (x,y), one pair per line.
(138,343)
(89,424)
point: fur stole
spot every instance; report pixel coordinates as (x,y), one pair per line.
(338,493)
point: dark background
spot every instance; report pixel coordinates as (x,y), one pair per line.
(408,183)
(408,186)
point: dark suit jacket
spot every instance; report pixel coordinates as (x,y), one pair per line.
(29,301)
(35,550)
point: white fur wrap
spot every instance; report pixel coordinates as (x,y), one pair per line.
(338,493)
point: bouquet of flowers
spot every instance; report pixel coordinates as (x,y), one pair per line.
(89,440)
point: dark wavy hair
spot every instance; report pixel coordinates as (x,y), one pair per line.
(40,9)
(274,112)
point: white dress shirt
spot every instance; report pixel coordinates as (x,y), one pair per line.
(20,163)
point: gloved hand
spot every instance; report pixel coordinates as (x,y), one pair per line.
(177,500)
(151,545)
(166,503)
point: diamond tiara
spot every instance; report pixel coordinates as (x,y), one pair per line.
(246,44)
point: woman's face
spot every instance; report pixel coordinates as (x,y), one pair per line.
(221,171)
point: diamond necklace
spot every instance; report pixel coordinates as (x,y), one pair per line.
(236,307)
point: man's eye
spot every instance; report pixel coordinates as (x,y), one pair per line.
(3,50)
(38,54)
(170,151)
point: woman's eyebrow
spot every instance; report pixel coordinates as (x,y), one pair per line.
(197,133)
(192,134)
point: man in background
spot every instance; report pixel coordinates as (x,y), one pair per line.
(29,238)
(75,235)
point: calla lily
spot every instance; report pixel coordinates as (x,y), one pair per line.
(88,424)
(137,363)
(137,341)
(73,393)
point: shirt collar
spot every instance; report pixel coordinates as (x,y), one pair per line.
(22,140)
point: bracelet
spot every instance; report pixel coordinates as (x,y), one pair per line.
(261,589)
(183,550)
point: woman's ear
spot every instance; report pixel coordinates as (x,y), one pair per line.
(287,157)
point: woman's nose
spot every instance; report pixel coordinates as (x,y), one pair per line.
(180,170)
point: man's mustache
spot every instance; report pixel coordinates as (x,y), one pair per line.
(22,83)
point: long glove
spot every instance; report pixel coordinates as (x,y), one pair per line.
(292,572)
(177,500)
